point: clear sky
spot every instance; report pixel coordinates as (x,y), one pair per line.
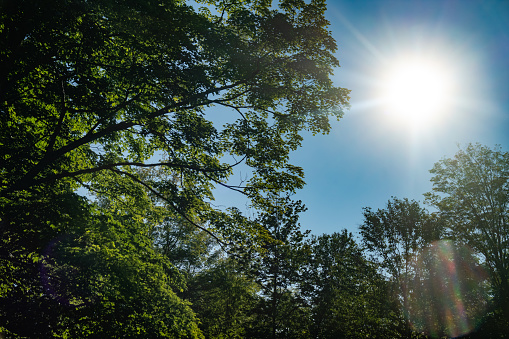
(453,53)
(372,153)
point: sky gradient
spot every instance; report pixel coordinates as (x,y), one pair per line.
(369,155)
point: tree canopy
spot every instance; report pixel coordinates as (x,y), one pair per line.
(113,100)
(93,86)
(471,191)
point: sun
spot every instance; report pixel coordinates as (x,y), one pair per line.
(416,91)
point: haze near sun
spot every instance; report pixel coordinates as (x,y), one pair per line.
(416,91)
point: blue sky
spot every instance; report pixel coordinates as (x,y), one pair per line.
(369,155)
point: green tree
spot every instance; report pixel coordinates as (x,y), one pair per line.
(93,86)
(89,270)
(344,292)
(448,291)
(93,91)
(30,228)
(224,299)
(139,284)
(130,290)
(394,236)
(187,247)
(471,191)
(277,268)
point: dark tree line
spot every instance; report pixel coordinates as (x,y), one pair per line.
(110,158)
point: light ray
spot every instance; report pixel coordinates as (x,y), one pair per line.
(448,295)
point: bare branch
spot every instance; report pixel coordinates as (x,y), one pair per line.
(139,164)
(234,188)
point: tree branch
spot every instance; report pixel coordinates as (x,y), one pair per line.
(178,210)
(127,163)
(29,178)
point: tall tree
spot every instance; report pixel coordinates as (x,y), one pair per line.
(448,290)
(92,91)
(88,271)
(394,236)
(224,299)
(94,86)
(278,268)
(346,295)
(29,229)
(471,191)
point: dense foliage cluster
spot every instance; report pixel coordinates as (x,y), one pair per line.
(113,141)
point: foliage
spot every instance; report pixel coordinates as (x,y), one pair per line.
(394,236)
(471,191)
(345,293)
(395,233)
(93,94)
(91,86)
(277,269)
(92,274)
(29,227)
(224,299)
(190,249)
(448,291)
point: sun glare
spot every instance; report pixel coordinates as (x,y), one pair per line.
(416,91)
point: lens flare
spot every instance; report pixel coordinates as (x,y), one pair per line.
(447,294)
(416,91)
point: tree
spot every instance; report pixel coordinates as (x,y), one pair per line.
(345,294)
(187,247)
(29,230)
(93,91)
(277,268)
(471,191)
(91,86)
(88,270)
(394,236)
(224,299)
(448,290)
